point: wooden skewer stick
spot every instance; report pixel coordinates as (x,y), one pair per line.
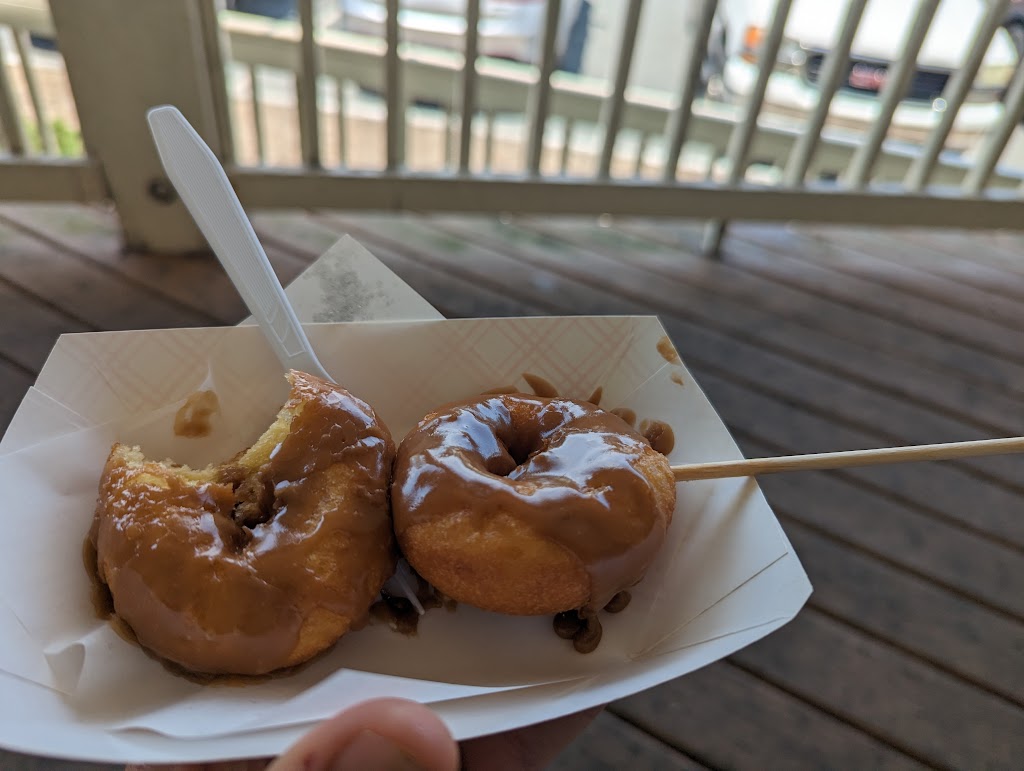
(848,459)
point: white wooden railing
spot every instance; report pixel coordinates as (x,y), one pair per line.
(514,137)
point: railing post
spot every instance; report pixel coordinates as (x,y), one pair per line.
(10,125)
(123,57)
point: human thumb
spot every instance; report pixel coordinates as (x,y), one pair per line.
(381,734)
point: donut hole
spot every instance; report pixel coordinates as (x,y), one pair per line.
(521,449)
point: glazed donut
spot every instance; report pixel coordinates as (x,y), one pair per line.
(528,505)
(261,562)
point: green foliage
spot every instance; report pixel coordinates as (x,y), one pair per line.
(69,140)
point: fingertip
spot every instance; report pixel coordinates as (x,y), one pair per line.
(381,733)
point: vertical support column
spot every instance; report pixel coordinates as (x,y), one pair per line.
(743,135)
(832,72)
(614,106)
(10,122)
(217,51)
(540,94)
(679,120)
(469,84)
(24,46)
(124,57)
(309,111)
(393,92)
(858,173)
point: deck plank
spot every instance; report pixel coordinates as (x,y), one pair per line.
(812,304)
(944,628)
(14,382)
(925,712)
(546,269)
(887,269)
(820,389)
(908,652)
(967,260)
(729,718)
(875,517)
(782,260)
(196,281)
(944,554)
(811,329)
(29,328)
(610,743)
(88,293)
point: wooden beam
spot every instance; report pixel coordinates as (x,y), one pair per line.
(123,57)
(432,192)
(52,180)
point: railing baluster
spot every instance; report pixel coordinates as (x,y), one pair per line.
(612,109)
(214,45)
(570,124)
(895,87)
(309,112)
(393,87)
(540,94)
(954,94)
(638,169)
(679,120)
(339,91)
(9,120)
(469,84)
(257,116)
(833,68)
(24,46)
(446,133)
(488,140)
(995,140)
(742,135)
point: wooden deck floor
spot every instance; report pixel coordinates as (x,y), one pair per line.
(911,650)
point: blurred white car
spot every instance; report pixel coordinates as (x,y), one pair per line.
(508,29)
(811,30)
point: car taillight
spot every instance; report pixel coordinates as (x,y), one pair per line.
(753,37)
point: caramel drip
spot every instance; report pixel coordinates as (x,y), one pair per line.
(506,389)
(677,378)
(398,612)
(667,350)
(236,574)
(626,415)
(595,398)
(566,469)
(193,419)
(102,602)
(540,386)
(659,434)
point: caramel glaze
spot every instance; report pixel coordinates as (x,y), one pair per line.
(540,386)
(193,419)
(400,614)
(264,566)
(565,468)
(659,434)
(667,350)
(626,414)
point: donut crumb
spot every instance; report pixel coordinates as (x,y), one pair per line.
(567,624)
(588,637)
(581,626)
(618,603)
